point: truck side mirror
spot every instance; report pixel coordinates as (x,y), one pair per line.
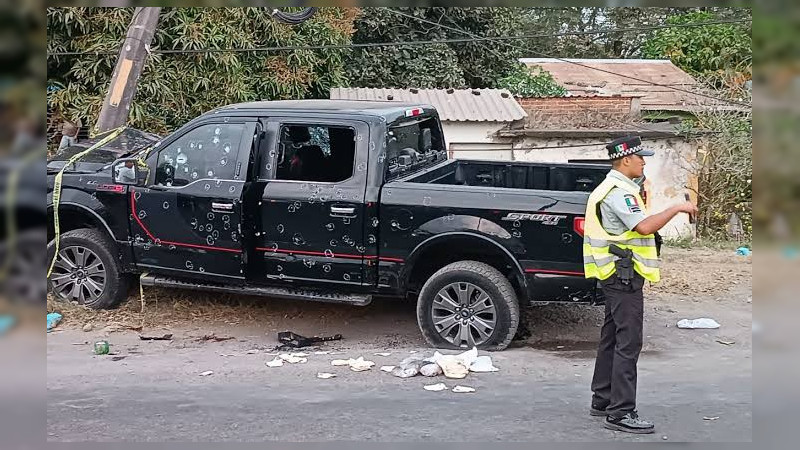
(130,171)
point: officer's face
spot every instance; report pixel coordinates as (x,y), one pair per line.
(636,164)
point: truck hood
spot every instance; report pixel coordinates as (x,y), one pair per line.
(129,142)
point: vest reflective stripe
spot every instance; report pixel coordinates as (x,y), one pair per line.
(598,261)
(642,242)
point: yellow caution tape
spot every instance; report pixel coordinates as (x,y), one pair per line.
(113,134)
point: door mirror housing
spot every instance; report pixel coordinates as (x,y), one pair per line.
(130,171)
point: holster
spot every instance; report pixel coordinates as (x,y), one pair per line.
(624,264)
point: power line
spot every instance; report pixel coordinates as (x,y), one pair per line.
(474,38)
(582,65)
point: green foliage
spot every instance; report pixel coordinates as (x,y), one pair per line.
(724,168)
(174,88)
(702,51)
(478,64)
(522,82)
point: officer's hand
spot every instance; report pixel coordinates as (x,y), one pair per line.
(688,208)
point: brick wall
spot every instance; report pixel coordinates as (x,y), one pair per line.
(578,111)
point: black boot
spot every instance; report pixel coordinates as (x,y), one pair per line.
(598,409)
(629,423)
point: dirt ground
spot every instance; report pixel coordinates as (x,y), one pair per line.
(705,275)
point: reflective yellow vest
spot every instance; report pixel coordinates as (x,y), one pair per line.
(598,262)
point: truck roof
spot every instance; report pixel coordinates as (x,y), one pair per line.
(388,109)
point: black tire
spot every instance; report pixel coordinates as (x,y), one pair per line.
(116,285)
(485,277)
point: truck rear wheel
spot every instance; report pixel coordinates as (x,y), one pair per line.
(86,272)
(466,304)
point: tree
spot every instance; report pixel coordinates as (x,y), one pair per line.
(714,50)
(175,87)
(477,64)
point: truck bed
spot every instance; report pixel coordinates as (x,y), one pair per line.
(512,174)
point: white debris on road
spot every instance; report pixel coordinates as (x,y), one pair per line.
(383,354)
(277,362)
(356,365)
(387,368)
(463,389)
(483,364)
(326,375)
(430,370)
(207,373)
(293,358)
(360,364)
(435,387)
(702,323)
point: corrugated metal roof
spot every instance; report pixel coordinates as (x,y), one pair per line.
(458,105)
(587,81)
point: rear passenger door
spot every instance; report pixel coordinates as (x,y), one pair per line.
(311,214)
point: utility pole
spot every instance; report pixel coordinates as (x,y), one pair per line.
(130,63)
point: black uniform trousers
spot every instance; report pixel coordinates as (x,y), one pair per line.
(614,382)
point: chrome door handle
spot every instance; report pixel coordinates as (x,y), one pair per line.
(222,207)
(343,211)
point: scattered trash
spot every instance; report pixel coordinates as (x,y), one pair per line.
(227,355)
(430,370)
(463,389)
(435,387)
(703,323)
(356,365)
(81,343)
(207,373)
(326,375)
(252,352)
(383,354)
(6,322)
(710,418)
(724,342)
(118,358)
(360,364)
(299,354)
(483,364)
(101,348)
(456,366)
(277,362)
(744,251)
(664,438)
(387,368)
(325,352)
(88,327)
(290,339)
(213,337)
(52,320)
(409,367)
(166,337)
(293,358)
(412,351)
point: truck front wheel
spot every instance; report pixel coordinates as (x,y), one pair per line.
(86,272)
(466,304)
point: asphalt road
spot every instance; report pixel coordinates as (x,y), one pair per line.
(157,394)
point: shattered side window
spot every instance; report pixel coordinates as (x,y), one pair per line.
(207,152)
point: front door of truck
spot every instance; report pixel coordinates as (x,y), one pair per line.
(187,219)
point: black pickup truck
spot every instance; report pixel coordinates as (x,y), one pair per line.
(334,201)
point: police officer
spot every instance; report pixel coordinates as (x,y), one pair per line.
(619,249)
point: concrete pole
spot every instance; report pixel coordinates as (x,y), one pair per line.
(117,104)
